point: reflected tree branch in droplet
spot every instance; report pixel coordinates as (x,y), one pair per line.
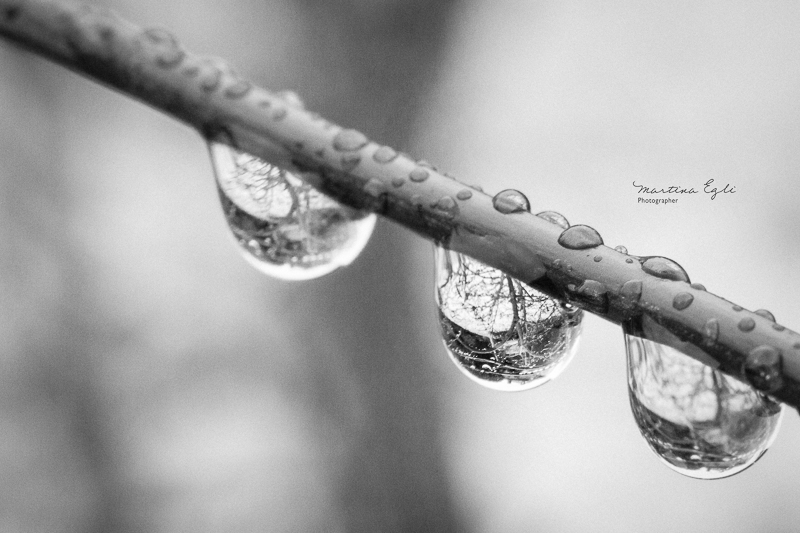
(153,67)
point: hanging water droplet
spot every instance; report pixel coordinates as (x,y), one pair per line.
(580,238)
(621,249)
(498,331)
(699,421)
(511,201)
(556,218)
(286,228)
(665,268)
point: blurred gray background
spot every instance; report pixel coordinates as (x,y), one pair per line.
(153,381)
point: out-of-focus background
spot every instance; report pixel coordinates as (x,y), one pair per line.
(150,380)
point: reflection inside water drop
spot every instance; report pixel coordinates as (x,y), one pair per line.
(286,228)
(498,331)
(699,421)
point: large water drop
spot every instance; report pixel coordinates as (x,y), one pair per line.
(286,228)
(556,218)
(699,421)
(580,237)
(498,331)
(665,268)
(511,201)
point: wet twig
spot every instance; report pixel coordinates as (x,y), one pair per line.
(152,66)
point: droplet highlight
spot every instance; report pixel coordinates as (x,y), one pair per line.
(555,218)
(621,249)
(665,268)
(711,331)
(698,421)
(499,332)
(511,201)
(284,227)
(580,238)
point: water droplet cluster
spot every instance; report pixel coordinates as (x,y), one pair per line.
(498,331)
(285,228)
(699,421)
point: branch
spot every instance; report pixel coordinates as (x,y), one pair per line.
(572,264)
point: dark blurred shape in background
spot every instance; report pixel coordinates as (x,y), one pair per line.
(146,386)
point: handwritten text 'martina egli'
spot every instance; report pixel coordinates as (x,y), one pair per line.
(708,188)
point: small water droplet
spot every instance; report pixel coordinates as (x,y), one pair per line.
(631,290)
(418,175)
(210,79)
(291,98)
(476,188)
(498,331)
(446,204)
(711,331)
(629,260)
(349,141)
(778,327)
(700,422)
(398,182)
(747,324)
(580,238)
(682,300)
(239,89)
(763,368)
(556,218)
(621,249)
(766,314)
(350,161)
(598,258)
(698,286)
(595,294)
(279,113)
(384,155)
(664,268)
(464,194)
(375,187)
(511,201)
(737,308)
(285,227)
